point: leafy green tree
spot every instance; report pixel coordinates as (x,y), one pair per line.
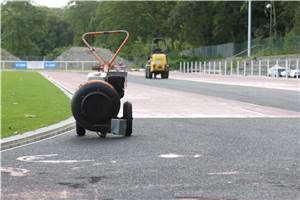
(80,14)
(22,26)
(30,30)
(58,31)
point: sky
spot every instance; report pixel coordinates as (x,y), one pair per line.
(48,3)
(52,3)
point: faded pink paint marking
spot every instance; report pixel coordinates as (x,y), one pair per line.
(70,80)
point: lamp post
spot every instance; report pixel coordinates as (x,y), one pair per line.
(269,6)
(249,28)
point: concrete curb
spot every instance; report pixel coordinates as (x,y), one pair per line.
(42,133)
(39,134)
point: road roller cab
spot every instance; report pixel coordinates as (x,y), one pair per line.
(158,60)
(96,104)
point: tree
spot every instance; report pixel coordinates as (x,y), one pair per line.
(22,25)
(79,14)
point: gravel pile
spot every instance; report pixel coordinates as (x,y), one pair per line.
(5,55)
(83,54)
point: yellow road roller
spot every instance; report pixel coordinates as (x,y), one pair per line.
(96,104)
(158,60)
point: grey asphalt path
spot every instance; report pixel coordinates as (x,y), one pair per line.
(164,159)
(283,99)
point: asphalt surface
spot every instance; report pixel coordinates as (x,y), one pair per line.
(284,99)
(204,159)
(222,159)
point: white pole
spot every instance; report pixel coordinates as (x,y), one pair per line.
(249,28)
(196,66)
(180,66)
(188,66)
(209,67)
(297,69)
(214,67)
(225,71)
(286,67)
(66,66)
(238,67)
(268,66)
(220,71)
(231,66)
(204,67)
(192,66)
(251,67)
(259,68)
(200,66)
(244,68)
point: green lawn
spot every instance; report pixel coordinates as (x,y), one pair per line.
(29,101)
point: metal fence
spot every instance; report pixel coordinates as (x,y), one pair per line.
(237,67)
(45,65)
(260,46)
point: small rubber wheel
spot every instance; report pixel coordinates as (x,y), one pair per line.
(166,74)
(103,134)
(150,75)
(80,130)
(127,114)
(147,72)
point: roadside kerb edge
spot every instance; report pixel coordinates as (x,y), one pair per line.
(41,133)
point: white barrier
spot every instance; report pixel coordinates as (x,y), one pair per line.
(244,68)
(48,65)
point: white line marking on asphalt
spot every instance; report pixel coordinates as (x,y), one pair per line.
(76,168)
(171,155)
(40,159)
(37,141)
(15,171)
(113,161)
(224,173)
(97,164)
(197,156)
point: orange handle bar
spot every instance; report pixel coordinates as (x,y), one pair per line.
(108,64)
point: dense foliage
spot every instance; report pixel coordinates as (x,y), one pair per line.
(30,30)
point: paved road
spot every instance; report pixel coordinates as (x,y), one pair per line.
(291,84)
(284,99)
(167,158)
(200,158)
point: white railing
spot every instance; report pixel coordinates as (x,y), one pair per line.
(237,67)
(48,65)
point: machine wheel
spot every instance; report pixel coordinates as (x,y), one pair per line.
(80,130)
(103,134)
(146,73)
(127,114)
(165,75)
(150,74)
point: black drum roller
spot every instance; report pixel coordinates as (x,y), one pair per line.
(93,106)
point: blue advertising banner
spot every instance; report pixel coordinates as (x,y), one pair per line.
(21,65)
(50,65)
